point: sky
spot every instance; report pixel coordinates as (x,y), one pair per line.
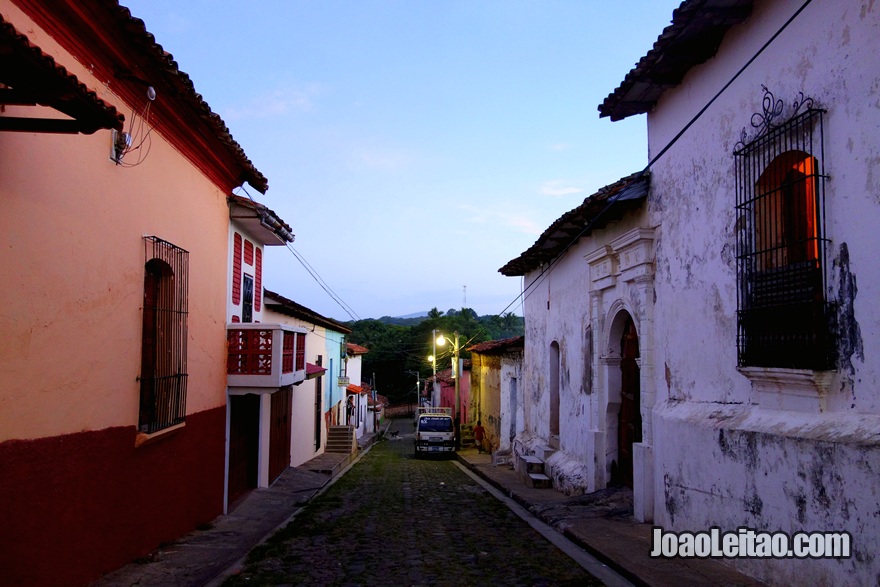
(414,146)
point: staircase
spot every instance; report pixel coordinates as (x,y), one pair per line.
(531,468)
(341,439)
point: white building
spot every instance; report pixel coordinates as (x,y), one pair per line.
(728,327)
(766,408)
(311,407)
(578,392)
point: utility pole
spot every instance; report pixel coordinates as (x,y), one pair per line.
(457,393)
(416,373)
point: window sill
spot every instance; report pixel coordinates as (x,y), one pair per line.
(143,439)
(797,390)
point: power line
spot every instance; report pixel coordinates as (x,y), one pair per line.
(524,294)
(311,271)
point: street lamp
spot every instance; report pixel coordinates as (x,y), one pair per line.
(440,340)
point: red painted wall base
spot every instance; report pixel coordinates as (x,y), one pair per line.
(76,506)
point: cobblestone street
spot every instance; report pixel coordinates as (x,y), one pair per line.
(396,520)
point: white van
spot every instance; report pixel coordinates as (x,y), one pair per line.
(435,431)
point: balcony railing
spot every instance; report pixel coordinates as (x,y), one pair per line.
(265,355)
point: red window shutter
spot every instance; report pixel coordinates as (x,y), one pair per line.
(236,269)
(248,252)
(258,279)
(300,351)
(236,319)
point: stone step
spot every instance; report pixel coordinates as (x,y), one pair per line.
(545,452)
(539,481)
(532,464)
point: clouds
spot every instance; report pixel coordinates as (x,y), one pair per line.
(277,102)
(501,219)
(558,187)
(383,158)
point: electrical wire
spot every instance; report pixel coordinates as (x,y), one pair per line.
(312,272)
(136,129)
(546,272)
(320,281)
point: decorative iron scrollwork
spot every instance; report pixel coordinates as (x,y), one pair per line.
(771,117)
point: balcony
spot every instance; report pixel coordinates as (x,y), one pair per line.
(264,357)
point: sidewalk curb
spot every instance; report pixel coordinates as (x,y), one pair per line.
(573,537)
(239,564)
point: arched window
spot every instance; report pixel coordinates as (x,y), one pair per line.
(163,337)
(783,317)
(786,222)
(554,357)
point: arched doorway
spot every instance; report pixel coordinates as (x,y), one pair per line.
(629,419)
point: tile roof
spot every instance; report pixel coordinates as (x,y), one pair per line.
(263,220)
(183,86)
(609,203)
(291,308)
(122,54)
(498,346)
(352,388)
(697,28)
(29,72)
(356,349)
(313,370)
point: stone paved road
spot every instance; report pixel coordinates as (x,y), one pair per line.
(395,520)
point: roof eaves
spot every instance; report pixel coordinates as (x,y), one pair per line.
(165,61)
(271,220)
(30,73)
(498,346)
(596,210)
(295,310)
(693,37)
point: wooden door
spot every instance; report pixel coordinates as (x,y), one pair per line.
(629,419)
(244,443)
(279,432)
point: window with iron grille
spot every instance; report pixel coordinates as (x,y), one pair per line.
(783,318)
(164,336)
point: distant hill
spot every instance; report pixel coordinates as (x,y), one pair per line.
(408,320)
(416,315)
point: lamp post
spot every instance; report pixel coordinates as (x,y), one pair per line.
(441,340)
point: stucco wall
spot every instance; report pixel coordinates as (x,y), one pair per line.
(246,269)
(73,267)
(485,392)
(511,402)
(561,308)
(758,465)
(72,263)
(694,191)
(302,433)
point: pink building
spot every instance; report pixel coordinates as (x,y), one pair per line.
(113,395)
(447,391)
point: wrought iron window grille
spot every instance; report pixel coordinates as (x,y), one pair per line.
(783,317)
(163,378)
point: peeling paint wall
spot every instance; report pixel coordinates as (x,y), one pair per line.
(768,459)
(569,306)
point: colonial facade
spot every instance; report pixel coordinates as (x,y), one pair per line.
(265,358)
(496,401)
(588,313)
(325,348)
(115,235)
(703,330)
(764,404)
